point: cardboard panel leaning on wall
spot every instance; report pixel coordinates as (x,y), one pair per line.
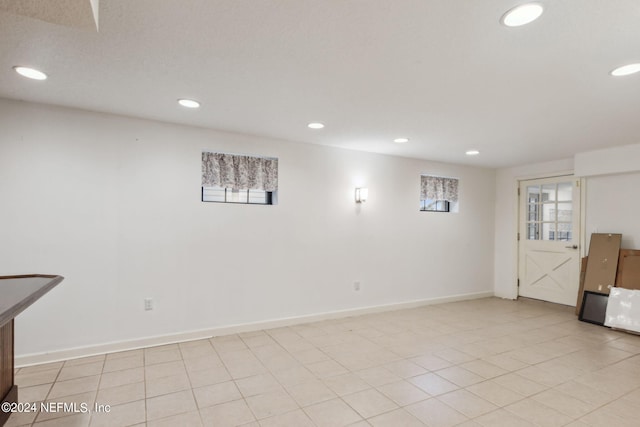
(583,272)
(602,264)
(628,276)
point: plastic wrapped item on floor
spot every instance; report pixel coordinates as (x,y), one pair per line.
(623,310)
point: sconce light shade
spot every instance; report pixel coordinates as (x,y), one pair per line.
(362,194)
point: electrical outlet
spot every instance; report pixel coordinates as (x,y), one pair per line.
(356,286)
(148,304)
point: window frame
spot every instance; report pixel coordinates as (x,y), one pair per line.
(270,196)
(424,204)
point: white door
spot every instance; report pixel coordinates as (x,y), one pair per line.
(549,256)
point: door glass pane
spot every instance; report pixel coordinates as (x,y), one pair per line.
(533,194)
(548,192)
(548,212)
(565,191)
(565,212)
(532,230)
(564,232)
(548,231)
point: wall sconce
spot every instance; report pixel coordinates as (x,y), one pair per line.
(362,194)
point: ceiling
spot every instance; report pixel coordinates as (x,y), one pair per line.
(445,74)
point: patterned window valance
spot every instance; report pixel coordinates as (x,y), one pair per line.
(239,172)
(438,188)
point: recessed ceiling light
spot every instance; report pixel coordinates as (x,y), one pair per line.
(626,70)
(189,103)
(472,152)
(315,125)
(30,73)
(401,140)
(522,15)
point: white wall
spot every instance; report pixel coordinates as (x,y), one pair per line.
(612,206)
(506,220)
(113,204)
(608,161)
(612,182)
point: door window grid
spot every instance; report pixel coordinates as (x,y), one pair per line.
(549,212)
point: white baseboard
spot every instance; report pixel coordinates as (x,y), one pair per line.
(113,347)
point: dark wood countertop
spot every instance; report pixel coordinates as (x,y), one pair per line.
(19,292)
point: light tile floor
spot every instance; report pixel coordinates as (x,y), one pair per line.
(487,362)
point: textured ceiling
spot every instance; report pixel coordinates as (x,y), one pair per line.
(72,13)
(443,73)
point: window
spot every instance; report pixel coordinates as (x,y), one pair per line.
(229,195)
(234,178)
(434,205)
(438,194)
